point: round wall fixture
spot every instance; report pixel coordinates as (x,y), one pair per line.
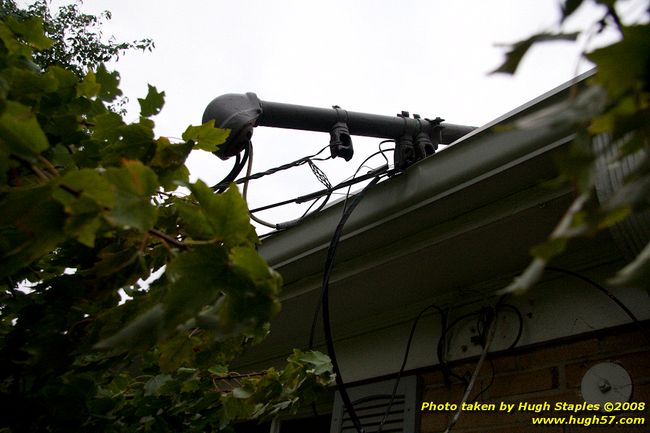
(606,382)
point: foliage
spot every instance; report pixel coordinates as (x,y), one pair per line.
(615,102)
(88,208)
(77,40)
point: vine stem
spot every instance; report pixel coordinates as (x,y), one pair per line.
(167,238)
(51,168)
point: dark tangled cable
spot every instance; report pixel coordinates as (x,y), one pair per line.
(404,360)
(324,302)
(240,163)
(318,194)
(607,293)
(296,163)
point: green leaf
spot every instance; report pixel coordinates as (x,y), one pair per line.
(620,119)
(114,259)
(31,84)
(519,49)
(141,332)
(84,221)
(89,86)
(109,82)
(31,31)
(613,216)
(219,370)
(249,265)
(206,137)
(66,82)
(21,134)
(169,163)
(107,126)
(85,183)
(318,363)
(196,279)
(177,352)
(134,141)
(241,393)
(11,42)
(217,217)
(152,103)
(153,386)
(170,179)
(134,185)
(195,221)
(623,66)
(85,195)
(170,155)
(226,214)
(29,230)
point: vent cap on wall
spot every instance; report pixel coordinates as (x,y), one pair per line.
(370,402)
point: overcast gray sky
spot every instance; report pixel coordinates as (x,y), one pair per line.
(379,56)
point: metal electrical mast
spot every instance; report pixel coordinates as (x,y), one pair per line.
(415,137)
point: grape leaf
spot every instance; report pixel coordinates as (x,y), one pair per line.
(21,134)
(85,183)
(248,265)
(623,65)
(31,30)
(109,82)
(320,363)
(152,103)
(89,86)
(29,231)
(85,194)
(134,183)
(134,141)
(222,217)
(519,49)
(107,126)
(170,155)
(206,136)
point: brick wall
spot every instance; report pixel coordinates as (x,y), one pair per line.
(550,372)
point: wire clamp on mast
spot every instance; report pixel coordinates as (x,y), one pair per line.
(340,140)
(405,153)
(417,143)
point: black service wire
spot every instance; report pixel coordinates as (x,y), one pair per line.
(240,163)
(404,360)
(314,195)
(239,166)
(380,152)
(609,294)
(306,215)
(447,372)
(324,300)
(296,163)
(520,319)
